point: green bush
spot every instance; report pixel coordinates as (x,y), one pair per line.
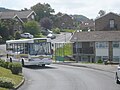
(39,35)
(6,65)
(2,63)
(10,66)
(99,61)
(6,82)
(17,35)
(57,31)
(15,68)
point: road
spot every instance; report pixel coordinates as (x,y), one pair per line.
(61,77)
(63,37)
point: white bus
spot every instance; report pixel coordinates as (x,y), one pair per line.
(36,51)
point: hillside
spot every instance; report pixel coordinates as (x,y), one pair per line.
(80,18)
(5,10)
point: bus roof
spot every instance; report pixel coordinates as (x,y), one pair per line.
(27,40)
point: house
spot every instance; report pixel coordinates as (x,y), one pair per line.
(96,45)
(64,21)
(12,17)
(101,44)
(87,25)
(108,22)
(19,17)
(26,15)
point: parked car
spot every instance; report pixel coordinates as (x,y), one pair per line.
(118,74)
(26,35)
(51,35)
(49,31)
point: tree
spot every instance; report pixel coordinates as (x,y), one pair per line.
(4,32)
(42,10)
(32,27)
(102,12)
(17,35)
(46,23)
(63,21)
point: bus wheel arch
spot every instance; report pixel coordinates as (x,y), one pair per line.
(22,61)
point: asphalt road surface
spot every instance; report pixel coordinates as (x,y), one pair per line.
(63,37)
(61,77)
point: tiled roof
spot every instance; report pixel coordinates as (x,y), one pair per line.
(24,14)
(107,14)
(20,14)
(7,15)
(96,36)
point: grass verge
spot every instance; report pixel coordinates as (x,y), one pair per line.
(7,73)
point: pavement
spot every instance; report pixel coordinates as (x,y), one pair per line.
(108,68)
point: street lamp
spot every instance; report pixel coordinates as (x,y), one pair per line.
(77,46)
(65,36)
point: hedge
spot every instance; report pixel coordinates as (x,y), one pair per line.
(15,68)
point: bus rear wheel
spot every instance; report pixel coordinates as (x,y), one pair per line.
(10,59)
(23,63)
(43,65)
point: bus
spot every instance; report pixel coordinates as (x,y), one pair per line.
(36,51)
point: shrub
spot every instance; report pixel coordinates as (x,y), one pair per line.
(15,68)
(6,65)
(99,61)
(17,35)
(2,63)
(57,31)
(6,82)
(10,66)
(39,35)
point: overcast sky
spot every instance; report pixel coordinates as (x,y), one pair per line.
(89,8)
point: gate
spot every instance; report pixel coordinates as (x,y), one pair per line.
(63,51)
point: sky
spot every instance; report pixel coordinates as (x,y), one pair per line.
(88,8)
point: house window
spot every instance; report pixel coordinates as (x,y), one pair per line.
(116,45)
(101,44)
(91,44)
(78,45)
(32,17)
(86,23)
(105,58)
(116,58)
(112,23)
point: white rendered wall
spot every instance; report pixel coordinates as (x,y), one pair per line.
(102,52)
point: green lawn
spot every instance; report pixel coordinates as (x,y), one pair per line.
(7,73)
